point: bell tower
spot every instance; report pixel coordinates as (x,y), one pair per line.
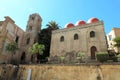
(31,35)
(33,27)
(34,23)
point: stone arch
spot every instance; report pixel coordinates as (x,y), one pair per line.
(17,39)
(32,58)
(93,49)
(23,57)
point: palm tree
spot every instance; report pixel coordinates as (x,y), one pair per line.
(117,42)
(37,49)
(45,37)
(52,25)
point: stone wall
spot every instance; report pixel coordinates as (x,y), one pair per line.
(8,72)
(70,72)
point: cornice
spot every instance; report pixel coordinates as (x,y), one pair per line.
(77,27)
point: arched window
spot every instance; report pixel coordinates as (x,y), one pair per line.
(76,37)
(92,34)
(61,38)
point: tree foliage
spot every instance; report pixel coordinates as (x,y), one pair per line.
(12,47)
(52,25)
(37,49)
(117,42)
(80,56)
(45,36)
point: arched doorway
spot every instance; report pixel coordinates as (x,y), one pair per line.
(23,58)
(93,50)
(32,58)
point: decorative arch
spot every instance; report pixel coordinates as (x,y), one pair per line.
(93,49)
(76,37)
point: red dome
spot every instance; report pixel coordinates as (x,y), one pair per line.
(69,25)
(92,20)
(81,22)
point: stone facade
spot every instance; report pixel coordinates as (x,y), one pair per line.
(84,37)
(87,38)
(8,32)
(115,32)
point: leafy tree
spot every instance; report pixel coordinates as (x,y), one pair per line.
(45,37)
(37,49)
(117,42)
(12,47)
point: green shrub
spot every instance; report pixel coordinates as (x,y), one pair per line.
(114,58)
(118,57)
(109,61)
(102,56)
(14,62)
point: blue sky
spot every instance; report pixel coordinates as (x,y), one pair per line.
(62,11)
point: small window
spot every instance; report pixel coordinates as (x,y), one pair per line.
(32,18)
(92,34)
(28,41)
(17,39)
(76,37)
(62,39)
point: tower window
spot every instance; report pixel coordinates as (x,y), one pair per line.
(76,37)
(92,34)
(62,39)
(32,18)
(28,41)
(30,28)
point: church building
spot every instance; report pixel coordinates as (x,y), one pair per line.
(82,37)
